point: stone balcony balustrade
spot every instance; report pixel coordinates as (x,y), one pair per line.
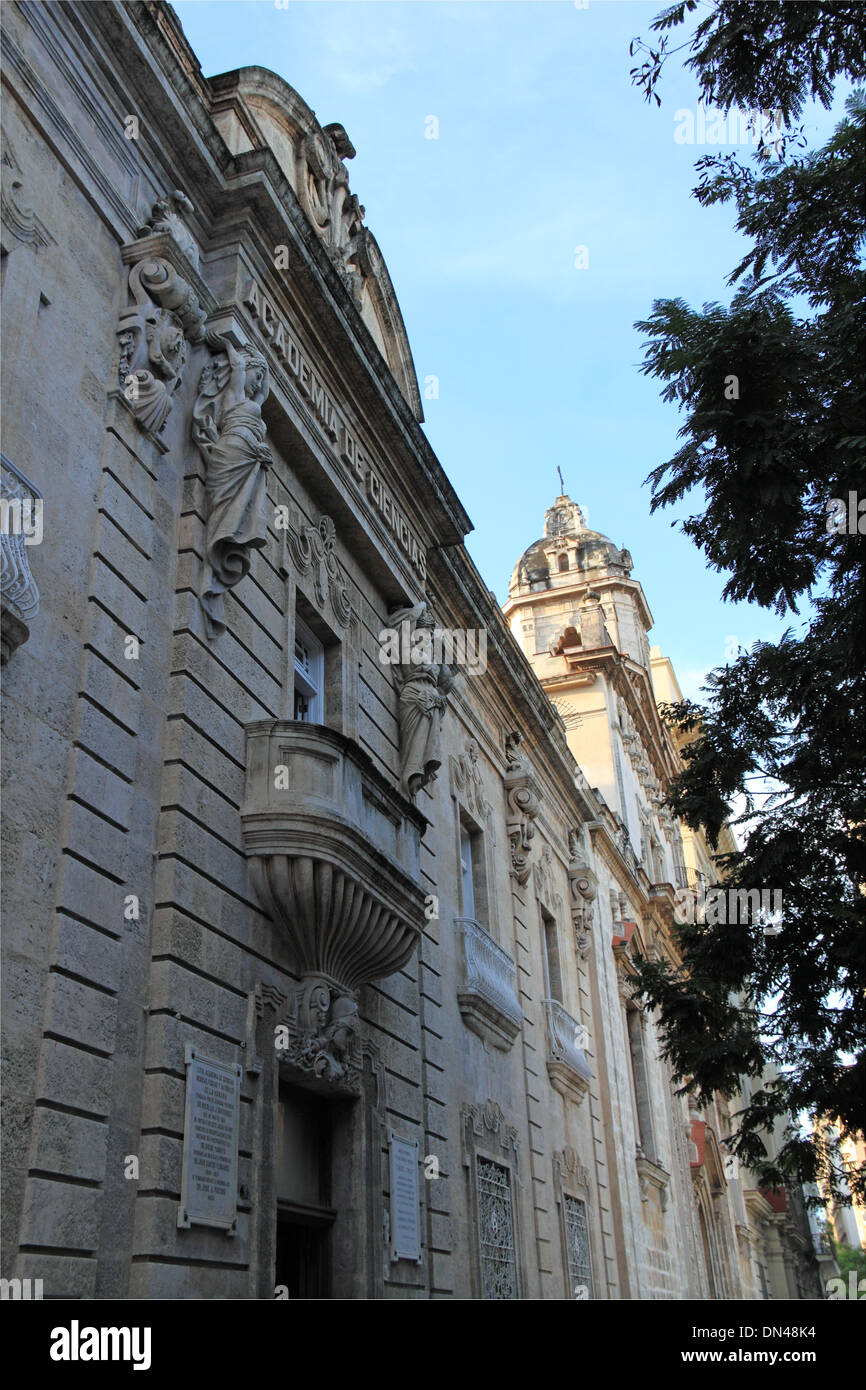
(488,993)
(22,526)
(567,1067)
(333,853)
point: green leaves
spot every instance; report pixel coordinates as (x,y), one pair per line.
(772,56)
(772,393)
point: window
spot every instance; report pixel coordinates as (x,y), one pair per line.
(496,1230)
(466,876)
(473,874)
(563,562)
(640,1083)
(309,675)
(550,955)
(577,1246)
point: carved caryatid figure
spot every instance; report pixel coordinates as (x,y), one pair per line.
(423,684)
(230,432)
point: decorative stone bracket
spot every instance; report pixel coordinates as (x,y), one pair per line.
(164,315)
(315,1031)
(583,890)
(523,797)
(334,857)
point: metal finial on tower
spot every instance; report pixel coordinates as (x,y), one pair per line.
(561,483)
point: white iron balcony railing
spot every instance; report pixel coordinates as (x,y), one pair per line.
(567,1066)
(488,994)
(21,503)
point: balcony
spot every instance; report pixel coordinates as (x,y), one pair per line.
(567,1067)
(663,896)
(22,527)
(333,853)
(652,1174)
(488,995)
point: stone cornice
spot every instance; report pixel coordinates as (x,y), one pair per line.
(226,189)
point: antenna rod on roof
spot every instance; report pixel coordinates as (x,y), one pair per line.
(561,483)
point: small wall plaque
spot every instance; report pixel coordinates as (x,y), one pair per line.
(405,1219)
(208,1193)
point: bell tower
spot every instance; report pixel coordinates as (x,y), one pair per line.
(582,622)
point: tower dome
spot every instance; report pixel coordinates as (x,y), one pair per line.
(569,549)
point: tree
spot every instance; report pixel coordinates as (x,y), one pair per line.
(773,392)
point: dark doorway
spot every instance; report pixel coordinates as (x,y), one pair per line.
(304,1212)
(302,1256)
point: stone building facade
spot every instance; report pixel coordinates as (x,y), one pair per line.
(323,876)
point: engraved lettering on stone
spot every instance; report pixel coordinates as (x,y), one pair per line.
(210,1155)
(405,1226)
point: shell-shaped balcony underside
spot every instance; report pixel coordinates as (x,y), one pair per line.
(333,852)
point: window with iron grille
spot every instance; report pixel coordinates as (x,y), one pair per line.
(577,1244)
(496,1231)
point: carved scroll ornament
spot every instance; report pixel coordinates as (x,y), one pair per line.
(154,331)
(313,551)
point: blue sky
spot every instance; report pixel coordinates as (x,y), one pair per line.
(543,146)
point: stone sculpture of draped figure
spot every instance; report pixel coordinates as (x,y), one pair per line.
(229,430)
(423,687)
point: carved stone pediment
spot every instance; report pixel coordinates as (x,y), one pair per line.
(17,215)
(571,1172)
(486,1125)
(313,552)
(313,158)
(467,786)
(544,872)
(334,856)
